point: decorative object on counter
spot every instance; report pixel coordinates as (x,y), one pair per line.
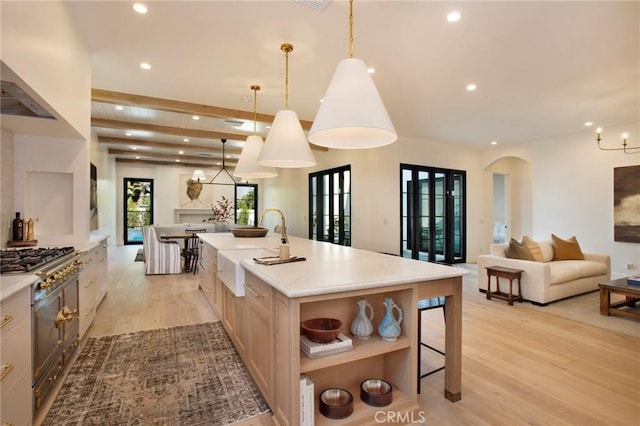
(29,229)
(249,232)
(376,392)
(18,228)
(361,327)
(336,403)
(275,260)
(284,252)
(322,330)
(389,328)
(312,350)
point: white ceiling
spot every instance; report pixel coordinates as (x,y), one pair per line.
(542,68)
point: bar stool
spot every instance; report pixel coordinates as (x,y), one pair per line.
(425,305)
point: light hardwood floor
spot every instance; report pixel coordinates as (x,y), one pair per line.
(519,367)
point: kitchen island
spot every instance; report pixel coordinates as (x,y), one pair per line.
(264,324)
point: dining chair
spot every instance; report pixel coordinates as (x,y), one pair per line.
(191,251)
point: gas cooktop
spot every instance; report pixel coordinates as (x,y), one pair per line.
(30,259)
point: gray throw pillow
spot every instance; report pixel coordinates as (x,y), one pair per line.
(517,250)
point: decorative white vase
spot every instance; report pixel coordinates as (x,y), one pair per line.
(389,328)
(361,327)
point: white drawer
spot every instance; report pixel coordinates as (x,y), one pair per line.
(16,344)
(14,310)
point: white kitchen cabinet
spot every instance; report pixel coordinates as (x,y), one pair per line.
(15,368)
(93,283)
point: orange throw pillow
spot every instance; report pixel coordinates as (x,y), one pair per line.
(534,248)
(566,249)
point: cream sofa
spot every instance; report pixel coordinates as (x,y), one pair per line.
(549,280)
(163,256)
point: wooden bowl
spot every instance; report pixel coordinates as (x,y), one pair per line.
(249,232)
(322,330)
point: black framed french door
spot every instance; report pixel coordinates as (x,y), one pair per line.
(138,208)
(330,205)
(433,214)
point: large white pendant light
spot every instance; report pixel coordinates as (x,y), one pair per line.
(352,114)
(286,144)
(247,167)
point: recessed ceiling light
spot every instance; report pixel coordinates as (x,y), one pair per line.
(588,124)
(137,157)
(185,140)
(371,70)
(140,8)
(119,107)
(471,87)
(177,161)
(145,66)
(195,117)
(453,16)
(180,152)
(133,148)
(494,142)
(128,134)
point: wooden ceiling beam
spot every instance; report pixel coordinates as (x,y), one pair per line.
(107,96)
(167,130)
(163,145)
(166,163)
(182,158)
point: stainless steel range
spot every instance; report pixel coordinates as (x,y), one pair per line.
(54,310)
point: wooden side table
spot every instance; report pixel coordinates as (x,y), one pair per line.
(510,274)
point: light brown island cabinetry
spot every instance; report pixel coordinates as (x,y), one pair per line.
(329,284)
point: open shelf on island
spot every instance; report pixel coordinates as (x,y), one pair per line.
(361,349)
(363,413)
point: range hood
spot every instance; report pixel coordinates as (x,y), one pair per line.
(16,102)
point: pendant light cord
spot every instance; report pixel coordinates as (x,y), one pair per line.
(286,48)
(255,89)
(350,28)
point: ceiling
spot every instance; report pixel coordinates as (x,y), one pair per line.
(542,69)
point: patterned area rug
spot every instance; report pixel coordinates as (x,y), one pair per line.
(187,375)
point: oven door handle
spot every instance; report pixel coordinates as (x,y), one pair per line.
(65,314)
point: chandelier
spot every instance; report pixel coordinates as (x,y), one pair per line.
(627,149)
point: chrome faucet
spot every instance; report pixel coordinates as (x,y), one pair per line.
(283,226)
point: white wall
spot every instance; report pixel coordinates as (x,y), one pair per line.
(375,181)
(572,190)
(41,45)
(44,52)
(167,189)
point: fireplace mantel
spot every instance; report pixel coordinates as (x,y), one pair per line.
(191,215)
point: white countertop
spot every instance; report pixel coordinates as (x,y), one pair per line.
(330,268)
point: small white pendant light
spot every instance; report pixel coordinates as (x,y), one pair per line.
(352,114)
(247,167)
(286,144)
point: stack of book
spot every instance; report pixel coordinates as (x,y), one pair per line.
(633,280)
(314,350)
(307,405)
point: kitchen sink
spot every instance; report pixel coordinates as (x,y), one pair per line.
(231,273)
